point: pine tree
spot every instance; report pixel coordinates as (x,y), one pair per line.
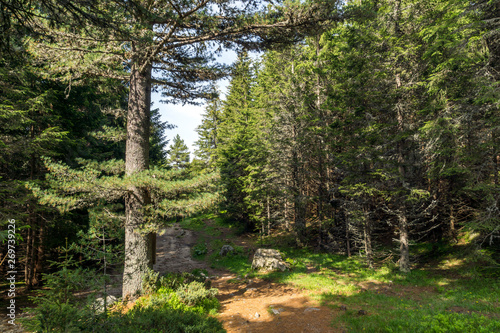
(38,118)
(235,131)
(179,154)
(158,141)
(208,133)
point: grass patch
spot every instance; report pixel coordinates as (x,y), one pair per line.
(450,290)
(209,224)
(449,298)
(237,262)
(199,250)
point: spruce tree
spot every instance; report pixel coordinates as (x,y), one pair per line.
(235,131)
(158,140)
(208,133)
(179,154)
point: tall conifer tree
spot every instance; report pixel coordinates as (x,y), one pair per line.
(178,154)
(165,45)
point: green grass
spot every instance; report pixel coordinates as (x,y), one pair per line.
(450,290)
(209,224)
(449,295)
(237,262)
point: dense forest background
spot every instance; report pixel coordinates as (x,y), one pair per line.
(379,129)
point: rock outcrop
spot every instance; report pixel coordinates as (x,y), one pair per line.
(269,260)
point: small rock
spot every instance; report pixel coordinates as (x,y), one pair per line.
(362,312)
(257,315)
(310,310)
(225,250)
(277,311)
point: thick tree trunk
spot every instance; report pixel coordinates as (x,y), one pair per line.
(139,250)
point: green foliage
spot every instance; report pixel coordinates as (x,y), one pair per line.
(179,154)
(173,192)
(58,317)
(157,140)
(194,293)
(59,310)
(150,282)
(160,312)
(163,313)
(199,250)
(176,302)
(174,281)
(241,148)
(208,133)
(238,262)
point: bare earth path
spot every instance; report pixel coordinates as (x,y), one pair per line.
(247,306)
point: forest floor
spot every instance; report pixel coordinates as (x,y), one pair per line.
(325,292)
(246,304)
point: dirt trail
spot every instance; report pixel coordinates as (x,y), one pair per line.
(260,306)
(247,305)
(173,251)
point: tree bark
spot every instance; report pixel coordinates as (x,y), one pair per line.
(139,250)
(404,246)
(28,266)
(40,253)
(347,238)
(367,230)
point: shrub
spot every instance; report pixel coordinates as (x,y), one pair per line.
(171,281)
(58,310)
(175,280)
(54,316)
(150,282)
(163,319)
(194,293)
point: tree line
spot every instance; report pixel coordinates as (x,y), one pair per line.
(381,126)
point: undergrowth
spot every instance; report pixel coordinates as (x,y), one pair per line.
(174,303)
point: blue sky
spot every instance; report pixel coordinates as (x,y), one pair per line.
(187,117)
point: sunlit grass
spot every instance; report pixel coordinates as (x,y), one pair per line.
(448,293)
